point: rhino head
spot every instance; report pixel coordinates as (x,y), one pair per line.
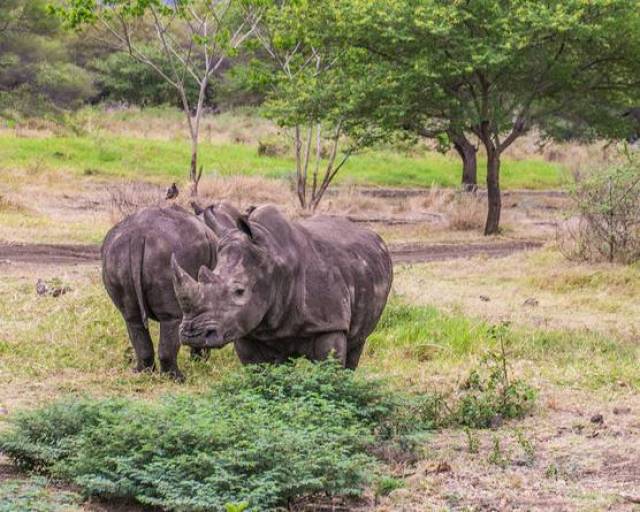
(226,303)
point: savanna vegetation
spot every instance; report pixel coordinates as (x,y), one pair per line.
(503,373)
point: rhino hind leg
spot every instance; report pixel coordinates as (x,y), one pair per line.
(330,344)
(142,345)
(168,349)
(354,353)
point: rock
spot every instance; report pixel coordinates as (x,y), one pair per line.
(621,410)
(41,287)
(597,418)
(496,421)
(56,292)
(531,302)
(484,298)
(443,467)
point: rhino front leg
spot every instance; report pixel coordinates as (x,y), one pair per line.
(331,343)
(142,345)
(168,349)
(253,352)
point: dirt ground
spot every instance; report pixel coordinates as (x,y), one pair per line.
(579,450)
(64,254)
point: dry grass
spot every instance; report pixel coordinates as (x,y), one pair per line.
(8,203)
(128,197)
(587,298)
(244,191)
(556,460)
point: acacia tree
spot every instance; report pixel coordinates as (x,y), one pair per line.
(496,68)
(181,40)
(314,87)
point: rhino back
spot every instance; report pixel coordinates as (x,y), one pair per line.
(144,242)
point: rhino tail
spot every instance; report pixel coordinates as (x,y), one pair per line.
(136,257)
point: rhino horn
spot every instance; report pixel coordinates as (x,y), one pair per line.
(205,275)
(184,286)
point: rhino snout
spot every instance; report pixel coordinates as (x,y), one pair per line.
(213,338)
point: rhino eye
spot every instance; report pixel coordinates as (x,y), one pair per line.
(238,292)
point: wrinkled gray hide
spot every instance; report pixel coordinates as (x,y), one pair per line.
(136,272)
(283,289)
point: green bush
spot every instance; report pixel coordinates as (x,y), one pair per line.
(489,394)
(263,436)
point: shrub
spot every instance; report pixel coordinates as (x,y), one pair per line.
(605,225)
(489,395)
(263,436)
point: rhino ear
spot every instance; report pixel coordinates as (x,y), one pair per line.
(197,209)
(245,226)
(205,275)
(218,222)
(184,286)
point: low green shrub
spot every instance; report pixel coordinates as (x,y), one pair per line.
(489,395)
(263,436)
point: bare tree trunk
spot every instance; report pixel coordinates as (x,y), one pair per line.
(492,226)
(194,176)
(467,152)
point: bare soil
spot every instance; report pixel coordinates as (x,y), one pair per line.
(64,254)
(49,254)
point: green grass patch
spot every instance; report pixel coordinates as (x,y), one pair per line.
(137,157)
(410,336)
(35,495)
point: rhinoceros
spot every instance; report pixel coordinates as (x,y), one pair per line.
(283,289)
(136,272)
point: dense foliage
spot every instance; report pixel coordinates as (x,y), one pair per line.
(38,74)
(262,436)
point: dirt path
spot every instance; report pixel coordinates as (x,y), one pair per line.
(51,254)
(48,254)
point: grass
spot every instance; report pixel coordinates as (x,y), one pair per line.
(77,343)
(35,494)
(34,227)
(119,156)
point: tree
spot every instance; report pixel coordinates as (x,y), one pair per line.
(37,72)
(182,41)
(315,88)
(497,68)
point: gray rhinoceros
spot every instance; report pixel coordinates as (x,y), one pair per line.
(136,272)
(284,289)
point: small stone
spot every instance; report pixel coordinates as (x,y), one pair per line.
(597,418)
(60,291)
(621,410)
(531,302)
(41,287)
(443,467)
(496,421)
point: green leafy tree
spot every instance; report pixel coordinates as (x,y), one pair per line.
(182,41)
(314,86)
(37,71)
(494,68)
